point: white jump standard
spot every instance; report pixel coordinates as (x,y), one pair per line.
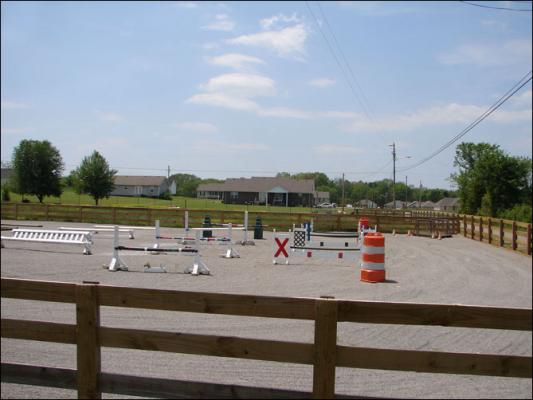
(82,238)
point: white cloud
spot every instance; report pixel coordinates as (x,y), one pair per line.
(12,105)
(496,25)
(221,23)
(223,100)
(14,131)
(240,84)
(441,115)
(285,42)
(187,4)
(321,82)
(332,149)
(222,147)
(199,127)
(522,99)
(274,21)
(109,116)
(235,60)
(284,112)
(511,52)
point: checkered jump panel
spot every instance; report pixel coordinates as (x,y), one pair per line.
(299,239)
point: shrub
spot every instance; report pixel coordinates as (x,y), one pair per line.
(6,195)
(165,195)
(520,213)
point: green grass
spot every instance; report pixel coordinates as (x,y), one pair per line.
(69,197)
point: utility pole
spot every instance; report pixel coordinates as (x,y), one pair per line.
(342,193)
(168,172)
(393,175)
(420,196)
(406,190)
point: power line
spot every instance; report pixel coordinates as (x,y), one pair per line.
(346,76)
(521,83)
(496,8)
(345,61)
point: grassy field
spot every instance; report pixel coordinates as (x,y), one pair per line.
(69,197)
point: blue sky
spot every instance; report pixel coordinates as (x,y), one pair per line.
(241,89)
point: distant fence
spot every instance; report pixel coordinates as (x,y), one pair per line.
(324,354)
(386,220)
(509,234)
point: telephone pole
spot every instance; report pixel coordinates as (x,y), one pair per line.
(393,175)
(342,193)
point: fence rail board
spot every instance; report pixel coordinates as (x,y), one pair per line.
(324,353)
(207,345)
(435,314)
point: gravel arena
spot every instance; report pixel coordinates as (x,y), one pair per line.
(454,270)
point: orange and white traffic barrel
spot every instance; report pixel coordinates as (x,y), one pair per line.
(373,258)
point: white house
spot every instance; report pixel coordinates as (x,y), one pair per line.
(147,186)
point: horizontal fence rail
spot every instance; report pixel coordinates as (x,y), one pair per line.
(324,354)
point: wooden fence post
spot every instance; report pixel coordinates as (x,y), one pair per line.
(377,223)
(325,349)
(46,209)
(88,344)
(338,222)
(480,229)
(114,215)
(490,230)
(81,213)
(501,233)
(515,245)
(473,233)
(528,240)
(222,216)
(16,211)
(464,225)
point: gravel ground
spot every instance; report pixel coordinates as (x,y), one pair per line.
(421,270)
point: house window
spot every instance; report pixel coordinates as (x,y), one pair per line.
(125,188)
(234,195)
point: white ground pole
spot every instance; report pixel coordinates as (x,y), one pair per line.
(116,264)
(198,267)
(157,234)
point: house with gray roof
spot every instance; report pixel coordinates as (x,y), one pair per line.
(262,190)
(447,204)
(427,205)
(398,204)
(365,203)
(142,186)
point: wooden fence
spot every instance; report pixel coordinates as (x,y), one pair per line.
(498,232)
(385,220)
(510,234)
(324,354)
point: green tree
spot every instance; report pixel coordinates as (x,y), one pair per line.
(94,177)
(186,184)
(490,181)
(37,167)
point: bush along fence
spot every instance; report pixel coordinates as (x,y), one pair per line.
(324,354)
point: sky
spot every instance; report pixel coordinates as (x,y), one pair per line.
(240,89)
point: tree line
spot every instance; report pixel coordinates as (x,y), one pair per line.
(489,181)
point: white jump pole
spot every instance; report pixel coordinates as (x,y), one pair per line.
(116,263)
(186,221)
(198,267)
(245,227)
(157,234)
